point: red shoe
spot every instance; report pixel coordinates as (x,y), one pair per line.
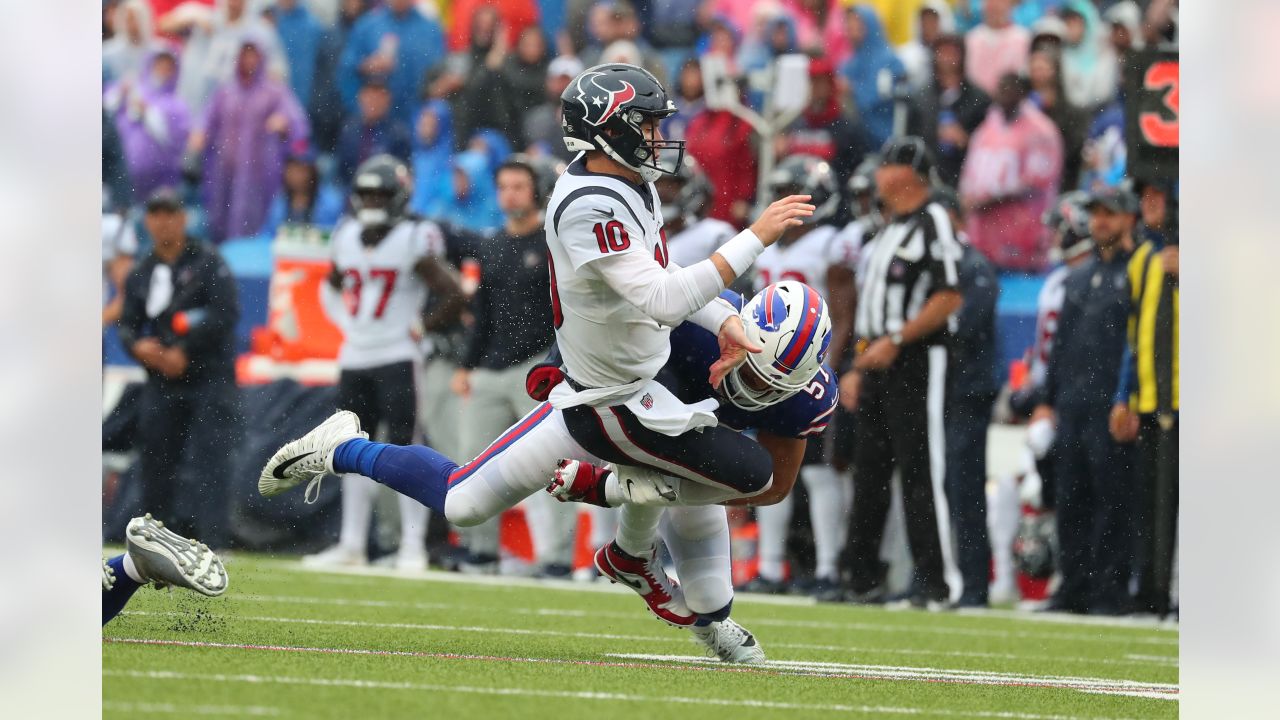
(576,481)
(649,580)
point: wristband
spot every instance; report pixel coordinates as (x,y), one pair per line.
(741,251)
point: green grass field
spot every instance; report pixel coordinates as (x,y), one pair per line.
(288,642)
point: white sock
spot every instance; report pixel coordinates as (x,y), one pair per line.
(132,570)
(413,525)
(698,538)
(826,515)
(637,528)
(772,521)
(357,511)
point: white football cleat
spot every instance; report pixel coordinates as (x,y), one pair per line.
(164,558)
(310,457)
(108,576)
(336,556)
(729,641)
(410,560)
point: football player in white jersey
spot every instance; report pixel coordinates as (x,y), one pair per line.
(685,192)
(814,254)
(615,298)
(384,263)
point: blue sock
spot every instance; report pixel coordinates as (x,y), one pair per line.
(705,619)
(114,600)
(413,470)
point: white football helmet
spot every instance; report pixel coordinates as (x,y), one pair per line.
(790,321)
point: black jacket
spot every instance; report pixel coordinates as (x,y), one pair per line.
(205,291)
(512,306)
(1087,350)
(971,362)
(970,109)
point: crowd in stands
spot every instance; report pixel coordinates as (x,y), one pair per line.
(258,114)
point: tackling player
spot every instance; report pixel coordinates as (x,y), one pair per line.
(815,254)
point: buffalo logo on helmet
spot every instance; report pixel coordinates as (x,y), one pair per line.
(601,95)
(771,312)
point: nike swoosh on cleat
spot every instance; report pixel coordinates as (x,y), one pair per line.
(633,584)
(278,473)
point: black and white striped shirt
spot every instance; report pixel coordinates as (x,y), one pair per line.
(910,259)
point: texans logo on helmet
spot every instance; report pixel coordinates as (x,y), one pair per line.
(601,95)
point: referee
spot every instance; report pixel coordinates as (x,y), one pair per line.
(908,291)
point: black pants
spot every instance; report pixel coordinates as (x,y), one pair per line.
(1156,512)
(1093,485)
(195,428)
(968,419)
(714,455)
(900,425)
(383,394)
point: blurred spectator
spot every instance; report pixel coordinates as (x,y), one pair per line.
(1009,178)
(689,99)
(1147,404)
(1045,77)
(511,333)
(542,133)
(1047,33)
(672,28)
(304,199)
(471,201)
(329,109)
(116,187)
(250,122)
(934,21)
(178,321)
(1104,156)
(153,123)
(1159,208)
(824,129)
(1093,472)
(125,54)
(432,157)
(494,146)
(614,20)
(1088,63)
(119,246)
(748,16)
(1124,21)
(948,110)
(995,47)
(725,145)
(822,28)
(525,70)
(302,39)
(722,40)
(776,35)
(514,18)
(373,131)
(971,393)
(870,58)
(484,98)
(210,55)
(394,41)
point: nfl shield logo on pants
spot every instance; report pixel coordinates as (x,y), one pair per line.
(647,401)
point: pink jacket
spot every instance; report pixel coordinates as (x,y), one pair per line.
(1010,176)
(990,53)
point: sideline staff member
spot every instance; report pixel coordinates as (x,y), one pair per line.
(908,292)
(178,321)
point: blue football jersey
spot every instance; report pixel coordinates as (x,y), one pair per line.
(694,349)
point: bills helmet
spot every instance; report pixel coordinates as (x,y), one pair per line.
(807,175)
(693,190)
(790,321)
(603,108)
(381,190)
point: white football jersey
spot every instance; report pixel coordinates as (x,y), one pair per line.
(382,294)
(699,241)
(118,239)
(805,260)
(1048,308)
(604,340)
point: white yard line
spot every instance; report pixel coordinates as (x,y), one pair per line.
(976,677)
(873,710)
(171,709)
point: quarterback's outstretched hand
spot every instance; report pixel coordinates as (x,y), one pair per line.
(781,214)
(734,347)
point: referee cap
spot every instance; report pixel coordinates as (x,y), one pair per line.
(908,150)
